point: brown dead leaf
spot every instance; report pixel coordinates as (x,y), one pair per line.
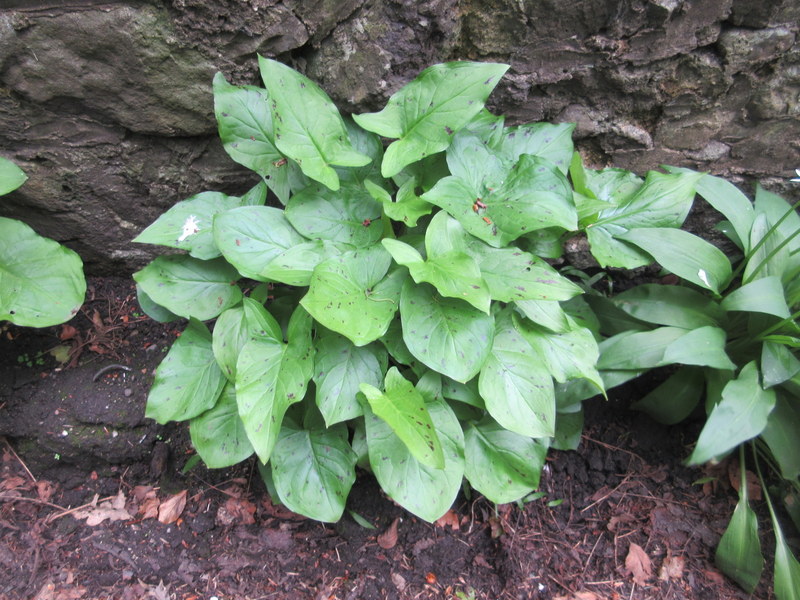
(171,508)
(67,333)
(735,478)
(45,490)
(449,518)
(388,538)
(715,577)
(111,510)
(149,508)
(638,564)
(399,582)
(13,483)
(617,520)
(142,492)
(240,510)
(98,323)
(672,568)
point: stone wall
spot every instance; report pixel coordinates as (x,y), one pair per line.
(108,108)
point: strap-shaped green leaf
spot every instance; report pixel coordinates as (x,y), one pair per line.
(447,335)
(218,434)
(672,305)
(740,415)
(353,295)
(674,399)
(348,215)
(308,126)
(764,295)
(313,470)
(270,377)
(188,381)
(422,490)
(41,281)
(339,368)
(516,384)
(189,225)
(545,140)
(406,208)
(403,408)
(780,434)
(245,128)
(739,551)
(502,465)
(189,287)
(731,202)
(684,254)
(426,113)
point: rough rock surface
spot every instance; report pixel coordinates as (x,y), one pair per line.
(108,106)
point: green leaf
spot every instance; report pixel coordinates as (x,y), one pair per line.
(296,265)
(313,470)
(11,176)
(255,196)
(569,428)
(763,295)
(514,275)
(403,408)
(552,142)
(612,186)
(663,201)
(308,126)
(251,237)
(674,399)
(684,254)
(153,310)
(669,305)
(780,212)
(353,295)
(780,434)
(767,257)
(567,355)
(189,287)
(739,551)
(41,281)
(535,195)
(547,314)
(778,363)
(339,368)
(637,350)
(500,464)
(188,225)
(445,334)
(270,377)
(426,113)
(406,208)
(704,346)
(348,215)
(245,129)
(727,199)
(218,434)
(516,384)
(235,327)
(422,490)
(453,274)
(786,579)
(188,381)
(741,415)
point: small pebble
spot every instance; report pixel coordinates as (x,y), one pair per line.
(128,392)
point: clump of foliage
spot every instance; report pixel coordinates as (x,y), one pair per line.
(41,281)
(395,311)
(730,332)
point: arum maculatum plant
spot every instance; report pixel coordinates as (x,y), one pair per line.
(41,281)
(391,309)
(729,332)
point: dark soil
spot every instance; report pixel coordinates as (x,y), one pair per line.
(619,518)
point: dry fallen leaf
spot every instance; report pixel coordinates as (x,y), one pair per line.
(449,518)
(388,538)
(672,568)
(399,582)
(638,564)
(171,508)
(45,490)
(111,510)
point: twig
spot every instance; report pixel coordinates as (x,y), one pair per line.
(69,511)
(33,500)
(24,466)
(106,369)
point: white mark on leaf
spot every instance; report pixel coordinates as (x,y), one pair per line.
(190,226)
(703,277)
